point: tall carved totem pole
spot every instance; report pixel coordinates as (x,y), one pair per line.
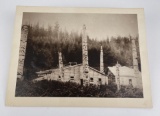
(61,75)
(135,61)
(101,61)
(118,76)
(85,56)
(22,51)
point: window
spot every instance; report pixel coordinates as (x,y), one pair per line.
(99,81)
(81,82)
(59,78)
(91,79)
(130,81)
(72,78)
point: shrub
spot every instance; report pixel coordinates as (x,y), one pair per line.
(129,92)
(46,88)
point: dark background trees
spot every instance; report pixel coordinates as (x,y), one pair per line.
(43,46)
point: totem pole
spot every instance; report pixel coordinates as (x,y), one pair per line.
(135,61)
(118,76)
(61,75)
(85,56)
(101,61)
(22,51)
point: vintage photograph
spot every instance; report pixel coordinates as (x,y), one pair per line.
(79,55)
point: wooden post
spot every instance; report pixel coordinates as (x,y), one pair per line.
(135,62)
(61,66)
(101,61)
(85,56)
(117,76)
(22,51)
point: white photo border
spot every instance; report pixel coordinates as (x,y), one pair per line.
(144,102)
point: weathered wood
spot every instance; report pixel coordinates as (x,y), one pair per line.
(22,51)
(61,72)
(118,76)
(135,64)
(101,61)
(76,72)
(85,56)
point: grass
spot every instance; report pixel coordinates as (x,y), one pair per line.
(46,88)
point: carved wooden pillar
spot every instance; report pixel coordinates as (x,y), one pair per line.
(101,61)
(22,51)
(135,61)
(85,56)
(61,73)
(118,76)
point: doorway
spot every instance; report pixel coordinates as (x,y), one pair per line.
(81,82)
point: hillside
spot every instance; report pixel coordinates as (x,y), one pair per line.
(43,46)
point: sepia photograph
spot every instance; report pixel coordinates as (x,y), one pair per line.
(79,55)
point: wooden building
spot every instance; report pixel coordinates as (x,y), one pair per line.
(74,73)
(125,76)
(80,73)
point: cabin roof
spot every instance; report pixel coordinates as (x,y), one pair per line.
(66,67)
(123,71)
(96,70)
(81,65)
(44,72)
(69,66)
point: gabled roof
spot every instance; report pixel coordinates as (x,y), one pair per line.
(69,66)
(97,70)
(44,72)
(66,67)
(123,71)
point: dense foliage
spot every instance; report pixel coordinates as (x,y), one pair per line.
(43,46)
(59,89)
